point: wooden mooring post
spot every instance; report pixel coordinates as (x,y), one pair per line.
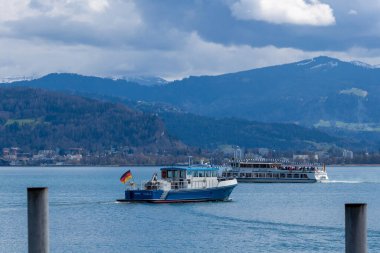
(38,220)
(356,228)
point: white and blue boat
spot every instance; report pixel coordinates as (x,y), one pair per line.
(182,184)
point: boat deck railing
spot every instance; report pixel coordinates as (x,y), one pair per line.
(175,185)
(273,170)
(276,160)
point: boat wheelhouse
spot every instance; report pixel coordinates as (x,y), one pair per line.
(182,184)
(267,172)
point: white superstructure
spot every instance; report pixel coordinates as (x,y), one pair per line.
(269,172)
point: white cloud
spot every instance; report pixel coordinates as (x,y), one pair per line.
(98,5)
(355,91)
(82,21)
(80,10)
(352,12)
(75,10)
(15,10)
(297,12)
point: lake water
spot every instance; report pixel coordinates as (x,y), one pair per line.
(84,216)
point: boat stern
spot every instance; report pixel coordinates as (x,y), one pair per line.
(321,176)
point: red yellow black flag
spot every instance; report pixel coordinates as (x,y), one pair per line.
(126,176)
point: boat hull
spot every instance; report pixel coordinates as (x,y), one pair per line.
(181,195)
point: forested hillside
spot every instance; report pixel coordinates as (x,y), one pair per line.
(34,119)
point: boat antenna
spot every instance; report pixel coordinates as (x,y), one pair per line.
(190,160)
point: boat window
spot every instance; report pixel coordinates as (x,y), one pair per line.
(248,175)
(255,175)
(303,176)
(289,175)
(170,174)
(282,175)
(200,174)
(195,173)
(296,175)
(214,174)
(182,174)
(207,173)
(269,174)
(275,175)
(163,174)
(242,174)
(175,173)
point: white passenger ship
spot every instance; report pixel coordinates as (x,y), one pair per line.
(272,172)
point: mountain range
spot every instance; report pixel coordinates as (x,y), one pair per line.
(340,98)
(317,92)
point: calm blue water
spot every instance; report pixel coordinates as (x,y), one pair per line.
(261,218)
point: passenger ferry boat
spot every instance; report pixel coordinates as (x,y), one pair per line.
(182,184)
(267,172)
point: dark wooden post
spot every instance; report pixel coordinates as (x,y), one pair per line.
(356,228)
(38,220)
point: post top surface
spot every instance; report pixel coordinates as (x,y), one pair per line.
(355,204)
(37,188)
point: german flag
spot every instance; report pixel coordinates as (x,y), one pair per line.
(126,176)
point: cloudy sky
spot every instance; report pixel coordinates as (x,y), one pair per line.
(177,38)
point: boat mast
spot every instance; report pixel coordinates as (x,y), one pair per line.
(237,153)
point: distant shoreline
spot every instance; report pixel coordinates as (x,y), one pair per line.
(162,165)
(112,165)
(353,165)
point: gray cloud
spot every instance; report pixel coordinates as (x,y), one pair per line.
(169,38)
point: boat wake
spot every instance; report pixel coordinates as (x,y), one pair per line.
(262,224)
(342,182)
